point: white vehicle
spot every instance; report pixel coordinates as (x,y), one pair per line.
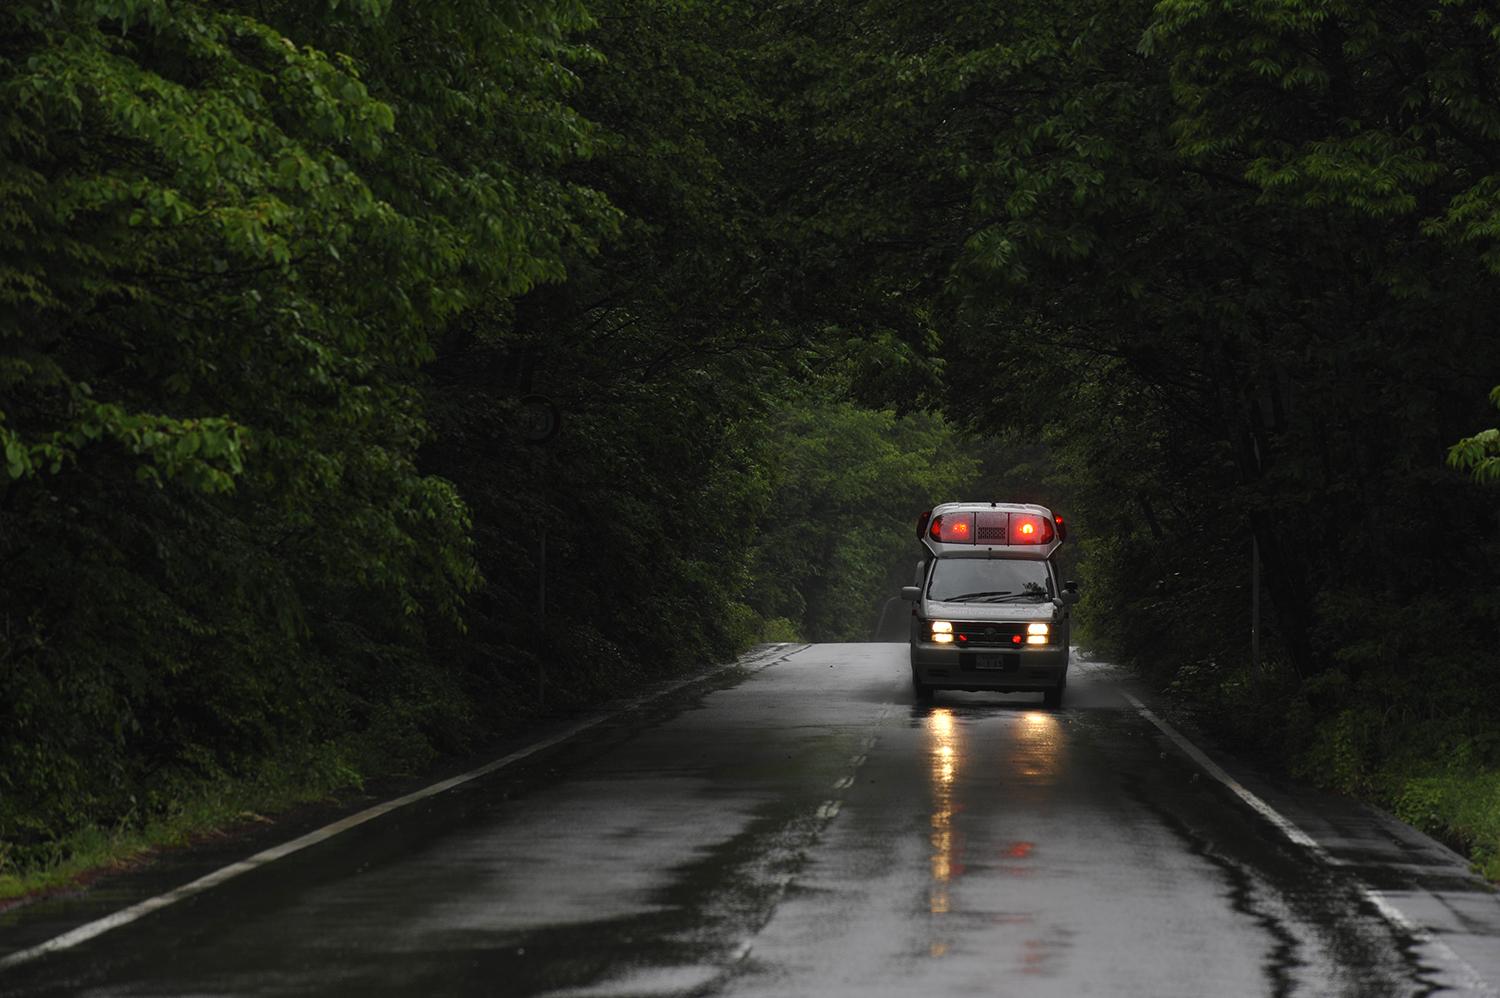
(991,613)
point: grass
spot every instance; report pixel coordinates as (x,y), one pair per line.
(203,812)
(1460,807)
(778,630)
(209,807)
(1419,767)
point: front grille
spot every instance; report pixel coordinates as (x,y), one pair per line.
(988,635)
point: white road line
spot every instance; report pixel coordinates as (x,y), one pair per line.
(1213,769)
(829,810)
(125,916)
(1468,977)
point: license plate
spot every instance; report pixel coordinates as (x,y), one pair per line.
(995,662)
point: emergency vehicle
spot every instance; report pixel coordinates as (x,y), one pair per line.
(990,610)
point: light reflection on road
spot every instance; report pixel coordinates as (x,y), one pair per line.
(1040,748)
(1037,761)
(1035,757)
(943,741)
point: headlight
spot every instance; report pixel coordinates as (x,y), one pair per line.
(942,632)
(1036,634)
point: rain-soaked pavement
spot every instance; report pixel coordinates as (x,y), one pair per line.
(803,828)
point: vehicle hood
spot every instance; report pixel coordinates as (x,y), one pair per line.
(991,611)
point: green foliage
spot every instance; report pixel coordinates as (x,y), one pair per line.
(1479,454)
(193,810)
(1235,264)
(780,629)
(1461,806)
(835,542)
(653,351)
(223,250)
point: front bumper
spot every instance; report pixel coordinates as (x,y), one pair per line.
(1001,670)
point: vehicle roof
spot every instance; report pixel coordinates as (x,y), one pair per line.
(1012,552)
(978,504)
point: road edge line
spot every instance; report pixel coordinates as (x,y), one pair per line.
(1469,978)
(125,916)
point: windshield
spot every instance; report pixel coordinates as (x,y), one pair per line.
(980,580)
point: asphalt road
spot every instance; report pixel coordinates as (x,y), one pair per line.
(802,828)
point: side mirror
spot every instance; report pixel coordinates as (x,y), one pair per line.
(1070,595)
(912,593)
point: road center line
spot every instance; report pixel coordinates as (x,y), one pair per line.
(1469,978)
(90,930)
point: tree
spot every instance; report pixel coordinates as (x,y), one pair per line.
(835,540)
(1230,261)
(222,252)
(1479,454)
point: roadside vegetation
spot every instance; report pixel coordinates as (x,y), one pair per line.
(277,280)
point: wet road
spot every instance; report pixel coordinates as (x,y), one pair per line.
(805,829)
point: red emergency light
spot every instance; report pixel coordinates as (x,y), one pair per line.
(1062,528)
(1028,528)
(952,528)
(990,526)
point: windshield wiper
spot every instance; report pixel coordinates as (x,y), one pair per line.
(966,597)
(1009,597)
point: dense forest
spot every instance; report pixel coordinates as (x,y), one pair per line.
(284,285)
